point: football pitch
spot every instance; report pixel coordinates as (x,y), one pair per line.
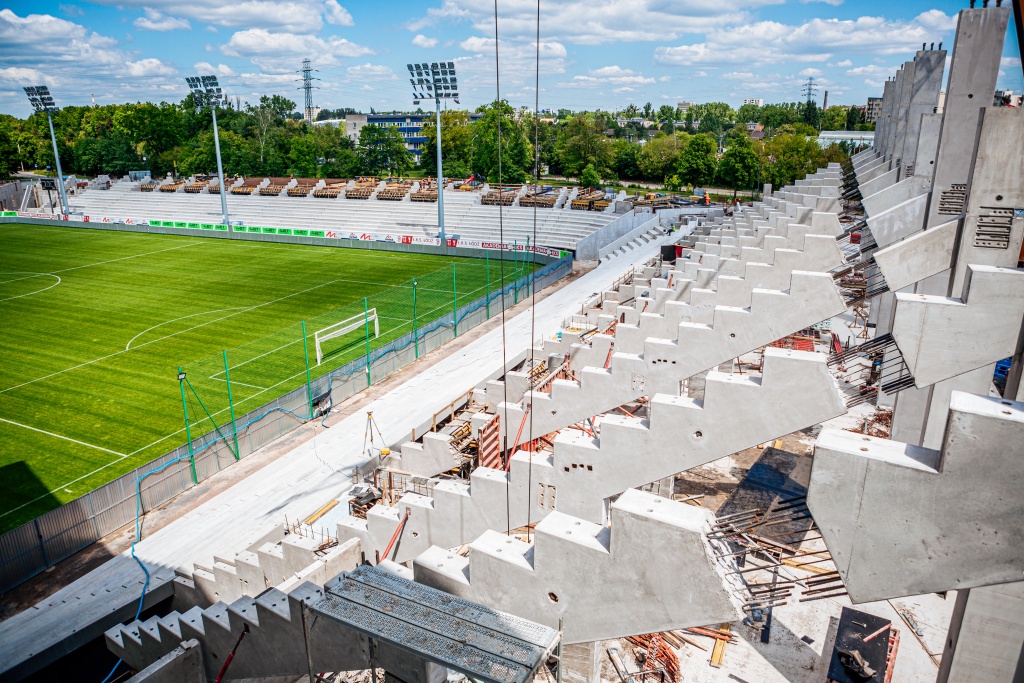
(94,325)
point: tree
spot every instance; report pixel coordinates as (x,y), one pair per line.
(791,156)
(382,150)
(658,158)
(626,159)
(580,143)
(666,113)
(8,150)
(697,161)
(516,149)
(748,113)
(589,177)
(456,144)
(834,118)
(852,118)
(648,111)
(810,114)
(738,166)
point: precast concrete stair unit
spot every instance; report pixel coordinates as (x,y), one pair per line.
(686,350)
(795,391)
(904,520)
(602,582)
(942,337)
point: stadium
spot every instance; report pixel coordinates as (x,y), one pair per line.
(325,418)
(354,268)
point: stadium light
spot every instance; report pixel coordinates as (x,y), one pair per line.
(206,92)
(435,80)
(41,100)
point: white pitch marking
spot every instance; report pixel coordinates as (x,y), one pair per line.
(38,291)
(66,438)
(184,317)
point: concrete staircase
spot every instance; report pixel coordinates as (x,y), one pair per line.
(795,391)
(651,544)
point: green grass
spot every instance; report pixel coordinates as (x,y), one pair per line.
(88,381)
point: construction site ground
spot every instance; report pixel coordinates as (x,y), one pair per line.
(802,635)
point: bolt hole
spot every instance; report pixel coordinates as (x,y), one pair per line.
(865,450)
(552,597)
(415,534)
(970,96)
(698,434)
(733,335)
(999,197)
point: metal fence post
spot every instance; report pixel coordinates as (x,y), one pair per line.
(309,388)
(487,288)
(415,329)
(366,326)
(231,405)
(515,273)
(455,304)
(188,432)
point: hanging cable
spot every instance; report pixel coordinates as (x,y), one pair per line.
(533,288)
(501,241)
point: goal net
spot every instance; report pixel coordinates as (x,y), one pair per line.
(342,328)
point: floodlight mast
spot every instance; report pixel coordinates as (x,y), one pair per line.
(41,100)
(435,80)
(206,91)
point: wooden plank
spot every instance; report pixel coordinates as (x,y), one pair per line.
(718,654)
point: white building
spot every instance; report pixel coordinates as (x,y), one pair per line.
(756,101)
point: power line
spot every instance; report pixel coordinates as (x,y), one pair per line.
(308,87)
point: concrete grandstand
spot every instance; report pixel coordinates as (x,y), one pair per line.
(465,215)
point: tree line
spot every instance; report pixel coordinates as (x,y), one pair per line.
(709,145)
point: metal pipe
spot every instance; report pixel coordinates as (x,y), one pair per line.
(620,668)
(60,174)
(220,168)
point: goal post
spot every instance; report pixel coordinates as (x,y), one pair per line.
(344,327)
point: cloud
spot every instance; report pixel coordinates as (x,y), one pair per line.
(259,42)
(845,63)
(23,76)
(738,76)
(154,21)
(221,70)
(288,16)
(595,22)
(609,75)
(336,14)
(936,20)
(811,72)
(422,41)
(874,70)
(1010,62)
(816,40)
(834,3)
(371,72)
(71,10)
(150,66)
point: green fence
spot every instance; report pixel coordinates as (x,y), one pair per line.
(229,421)
(351,347)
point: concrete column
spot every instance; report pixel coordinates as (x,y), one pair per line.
(980,34)
(973,71)
(927,146)
(899,134)
(924,99)
(882,123)
(985,642)
(894,113)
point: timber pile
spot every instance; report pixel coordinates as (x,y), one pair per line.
(248,186)
(503,197)
(427,191)
(540,197)
(333,188)
(363,189)
(302,188)
(586,200)
(275,187)
(394,192)
(199,185)
(173,187)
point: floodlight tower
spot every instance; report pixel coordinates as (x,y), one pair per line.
(207,92)
(435,80)
(40,99)
(308,87)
